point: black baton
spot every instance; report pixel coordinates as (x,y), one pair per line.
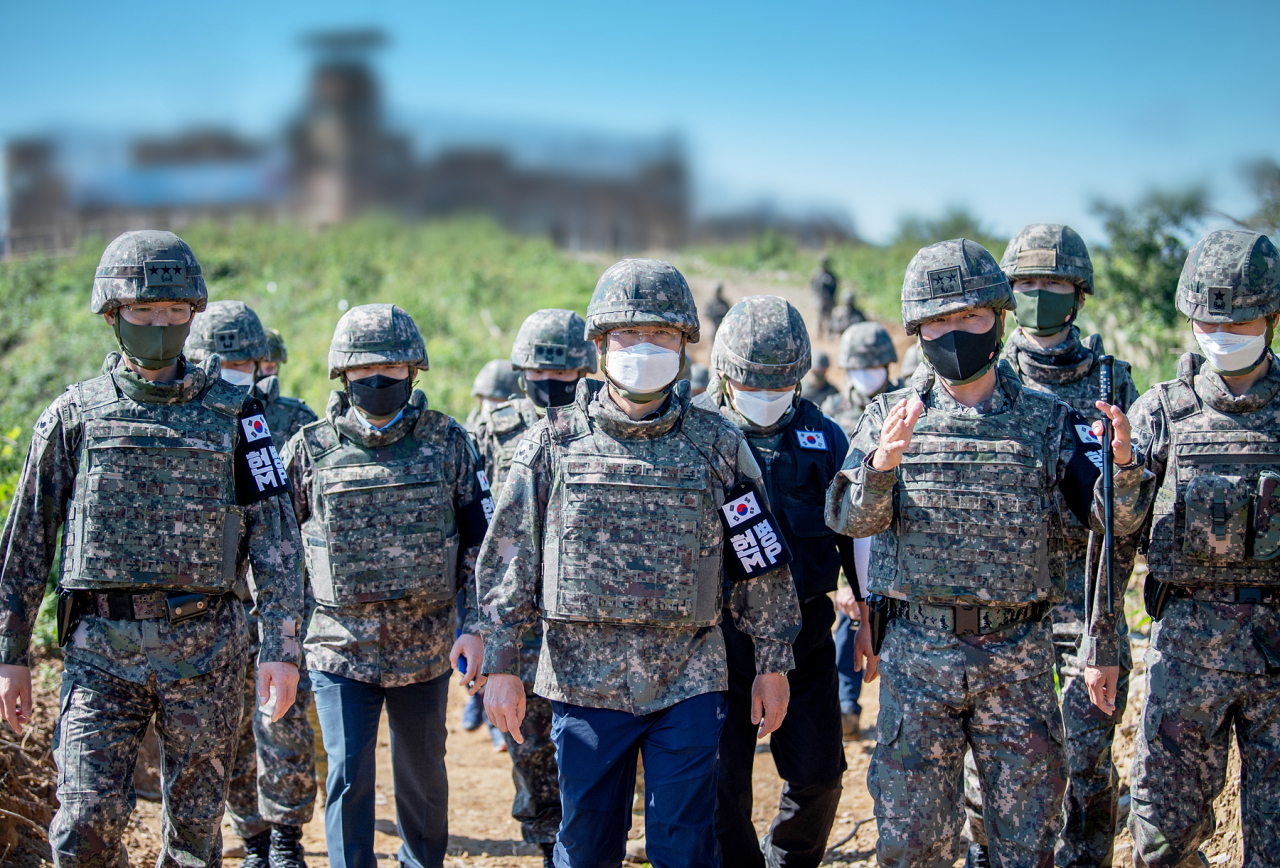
(1106,387)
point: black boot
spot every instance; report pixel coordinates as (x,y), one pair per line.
(977,857)
(286,847)
(548,852)
(257,850)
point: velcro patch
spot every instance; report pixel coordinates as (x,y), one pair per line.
(527,452)
(1037,259)
(255,427)
(164,272)
(743,508)
(815,440)
(549,354)
(753,544)
(944,282)
(226,341)
(1218,298)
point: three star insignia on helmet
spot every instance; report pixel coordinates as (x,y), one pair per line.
(165,272)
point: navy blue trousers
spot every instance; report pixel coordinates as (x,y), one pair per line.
(349,711)
(850,678)
(596,750)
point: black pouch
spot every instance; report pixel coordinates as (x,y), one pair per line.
(67,614)
(879,614)
(1155,596)
(184,607)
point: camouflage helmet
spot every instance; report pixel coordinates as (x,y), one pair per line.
(276,351)
(949,277)
(147,265)
(1231,275)
(1049,250)
(642,292)
(229,328)
(554,340)
(376,334)
(762,343)
(866,345)
(496,379)
(821,360)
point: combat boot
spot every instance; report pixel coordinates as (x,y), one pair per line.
(977,857)
(286,847)
(257,850)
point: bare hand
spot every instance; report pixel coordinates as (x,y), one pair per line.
(470,647)
(770,694)
(284,677)
(15,696)
(864,660)
(895,434)
(1121,442)
(847,602)
(504,704)
(1102,681)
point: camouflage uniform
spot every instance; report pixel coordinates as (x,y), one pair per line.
(863,346)
(815,386)
(846,313)
(388,517)
(624,517)
(1214,659)
(824,285)
(1070,372)
(763,344)
(156,511)
(970,561)
(495,382)
(273,777)
(548,340)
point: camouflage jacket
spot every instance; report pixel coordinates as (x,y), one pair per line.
(391,642)
(498,431)
(628,667)
(848,406)
(285,416)
(138,650)
(1229,636)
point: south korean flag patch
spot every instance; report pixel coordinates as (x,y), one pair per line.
(754,545)
(815,440)
(259,471)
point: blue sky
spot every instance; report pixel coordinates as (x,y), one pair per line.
(1022,111)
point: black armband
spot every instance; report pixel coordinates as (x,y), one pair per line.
(474,518)
(259,471)
(755,545)
(1083,469)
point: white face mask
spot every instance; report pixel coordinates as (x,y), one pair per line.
(868,381)
(643,367)
(1231,352)
(763,408)
(238,378)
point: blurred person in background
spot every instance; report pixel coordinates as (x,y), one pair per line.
(714,310)
(824,285)
(815,386)
(495,384)
(866,351)
(846,313)
(277,354)
(699,379)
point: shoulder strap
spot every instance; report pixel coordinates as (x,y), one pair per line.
(568,422)
(1094,343)
(319,439)
(432,426)
(225,399)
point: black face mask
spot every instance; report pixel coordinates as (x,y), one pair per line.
(961,357)
(380,396)
(549,393)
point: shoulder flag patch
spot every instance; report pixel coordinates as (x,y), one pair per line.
(815,440)
(738,511)
(255,427)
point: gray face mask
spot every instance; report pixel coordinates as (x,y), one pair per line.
(151,347)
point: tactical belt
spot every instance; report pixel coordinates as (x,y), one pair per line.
(969,620)
(147,606)
(1220,594)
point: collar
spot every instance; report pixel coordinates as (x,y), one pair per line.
(267,390)
(1068,362)
(190,385)
(1213,390)
(595,399)
(351,423)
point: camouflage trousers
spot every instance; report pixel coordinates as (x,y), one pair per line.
(1015,731)
(101,722)
(1091,805)
(273,777)
(1180,762)
(533,764)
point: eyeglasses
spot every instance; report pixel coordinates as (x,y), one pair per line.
(150,312)
(666,338)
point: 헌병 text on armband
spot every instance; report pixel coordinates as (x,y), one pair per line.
(755,544)
(259,471)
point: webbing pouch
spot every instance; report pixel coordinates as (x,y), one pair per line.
(1216,519)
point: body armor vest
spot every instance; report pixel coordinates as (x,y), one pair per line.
(154,506)
(285,416)
(975,517)
(382,523)
(632,530)
(796,481)
(504,426)
(1202,521)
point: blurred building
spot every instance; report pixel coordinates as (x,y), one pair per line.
(337,160)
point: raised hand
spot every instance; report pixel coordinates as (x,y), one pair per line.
(895,434)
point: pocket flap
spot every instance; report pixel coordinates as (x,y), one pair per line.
(1224,495)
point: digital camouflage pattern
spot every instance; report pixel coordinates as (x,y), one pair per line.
(553,340)
(866,345)
(103,719)
(848,406)
(1049,250)
(762,344)
(496,380)
(949,277)
(630,667)
(229,328)
(498,432)
(932,679)
(399,630)
(285,416)
(1231,275)
(642,292)
(276,350)
(1212,661)
(376,334)
(147,265)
